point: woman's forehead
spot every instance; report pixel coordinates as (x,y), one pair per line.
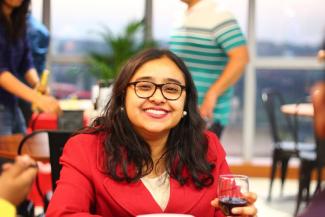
(162,69)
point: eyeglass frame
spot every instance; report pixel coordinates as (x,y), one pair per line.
(159,86)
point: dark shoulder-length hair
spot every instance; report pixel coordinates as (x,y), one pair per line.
(127,153)
(16,27)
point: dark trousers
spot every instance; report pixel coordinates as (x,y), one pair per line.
(217,128)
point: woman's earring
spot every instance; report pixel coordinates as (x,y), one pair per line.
(184,113)
(122,108)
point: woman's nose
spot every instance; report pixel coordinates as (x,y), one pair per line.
(157,96)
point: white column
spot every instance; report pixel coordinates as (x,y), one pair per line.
(250,88)
(46,18)
(148,20)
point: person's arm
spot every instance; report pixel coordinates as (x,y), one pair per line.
(321,55)
(11,84)
(32,78)
(238,58)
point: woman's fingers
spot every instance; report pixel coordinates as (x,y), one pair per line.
(245,211)
(215,203)
(250,197)
(249,210)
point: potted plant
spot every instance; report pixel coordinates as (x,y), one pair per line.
(120,47)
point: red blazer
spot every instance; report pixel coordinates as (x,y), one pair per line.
(84,189)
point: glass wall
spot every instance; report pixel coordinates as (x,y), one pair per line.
(287,32)
(76,30)
(288,28)
(288,35)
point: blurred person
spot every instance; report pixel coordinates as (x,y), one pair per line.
(148,153)
(15,183)
(321,52)
(209,40)
(39,39)
(15,62)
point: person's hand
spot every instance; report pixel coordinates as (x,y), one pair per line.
(245,211)
(17,178)
(321,55)
(47,104)
(42,90)
(209,102)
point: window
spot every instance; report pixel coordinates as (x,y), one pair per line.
(289,28)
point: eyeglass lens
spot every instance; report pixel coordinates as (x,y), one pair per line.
(146,89)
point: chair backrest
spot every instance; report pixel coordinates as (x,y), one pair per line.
(54,148)
(318,100)
(70,120)
(281,125)
(57,140)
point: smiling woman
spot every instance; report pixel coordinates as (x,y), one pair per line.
(148,153)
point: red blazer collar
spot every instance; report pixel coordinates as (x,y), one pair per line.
(136,199)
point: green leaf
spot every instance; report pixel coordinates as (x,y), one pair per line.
(120,47)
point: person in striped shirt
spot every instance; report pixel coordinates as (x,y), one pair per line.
(210,42)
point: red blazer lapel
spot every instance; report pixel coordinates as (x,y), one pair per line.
(183,198)
(134,197)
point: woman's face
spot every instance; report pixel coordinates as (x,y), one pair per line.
(155,115)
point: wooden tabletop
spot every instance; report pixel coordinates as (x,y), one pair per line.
(301,109)
(37,146)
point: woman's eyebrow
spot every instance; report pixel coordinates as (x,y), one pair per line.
(150,78)
(172,80)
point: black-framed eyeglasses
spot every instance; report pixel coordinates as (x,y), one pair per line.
(146,89)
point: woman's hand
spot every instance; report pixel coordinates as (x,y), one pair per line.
(245,211)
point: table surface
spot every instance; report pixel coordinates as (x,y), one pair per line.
(301,109)
(76,104)
(37,146)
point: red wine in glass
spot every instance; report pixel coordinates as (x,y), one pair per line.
(227,203)
(231,192)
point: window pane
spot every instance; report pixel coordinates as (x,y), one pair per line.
(76,24)
(294,86)
(289,27)
(71,81)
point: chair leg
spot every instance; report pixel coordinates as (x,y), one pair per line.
(273,170)
(304,176)
(284,168)
(319,180)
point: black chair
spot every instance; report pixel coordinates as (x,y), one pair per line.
(56,142)
(313,160)
(284,135)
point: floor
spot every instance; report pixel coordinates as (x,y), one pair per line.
(280,205)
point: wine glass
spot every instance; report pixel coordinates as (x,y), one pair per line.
(231,192)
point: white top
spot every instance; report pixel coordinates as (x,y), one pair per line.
(159,187)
